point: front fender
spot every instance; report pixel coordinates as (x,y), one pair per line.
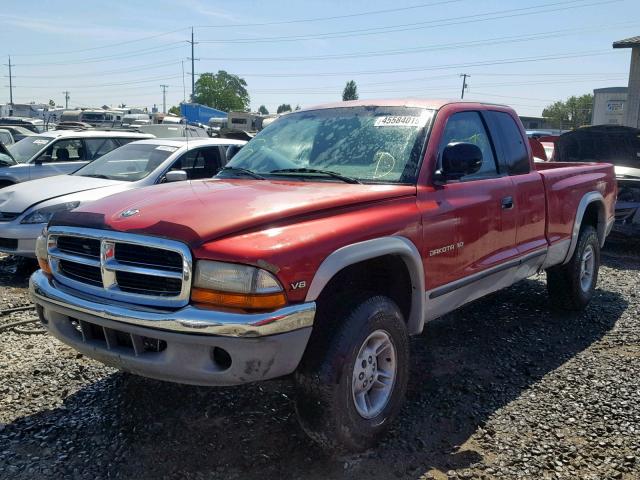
(367,250)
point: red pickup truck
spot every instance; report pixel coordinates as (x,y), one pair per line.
(331,237)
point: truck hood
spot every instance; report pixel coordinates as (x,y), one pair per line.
(200,211)
(17,198)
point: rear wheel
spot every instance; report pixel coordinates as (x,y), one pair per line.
(5,183)
(352,381)
(571,286)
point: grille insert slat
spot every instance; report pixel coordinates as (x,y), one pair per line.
(136,283)
(148,257)
(81,272)
(88,247)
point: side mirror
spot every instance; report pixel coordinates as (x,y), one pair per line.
(459,159)
(176,176)
(41,159)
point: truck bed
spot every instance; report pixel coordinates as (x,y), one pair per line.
(565,184)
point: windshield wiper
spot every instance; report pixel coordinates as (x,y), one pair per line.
(95,175)
(329,173)
(244,171)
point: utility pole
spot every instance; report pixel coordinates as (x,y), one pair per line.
(164,98)
(464,83)
(66,99)
(193,68)
(10,89)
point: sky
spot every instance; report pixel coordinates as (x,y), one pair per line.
(526,54)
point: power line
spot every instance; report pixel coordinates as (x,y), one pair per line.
(111,45)
(117,84)
(458,20)
(421,49)
(505,61)
(148,66)
(119,56)
(335,17)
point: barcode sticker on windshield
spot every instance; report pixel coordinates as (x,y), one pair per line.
(399,121)
(166,148)
(39,141)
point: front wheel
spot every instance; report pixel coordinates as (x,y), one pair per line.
(352,382)
(572,285)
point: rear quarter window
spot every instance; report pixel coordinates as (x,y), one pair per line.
(510,144)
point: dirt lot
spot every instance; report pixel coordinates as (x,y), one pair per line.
(503,388)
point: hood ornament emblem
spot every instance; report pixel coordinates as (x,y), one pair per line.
(129,213)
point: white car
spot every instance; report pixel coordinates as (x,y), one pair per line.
(60,152)
(27,207)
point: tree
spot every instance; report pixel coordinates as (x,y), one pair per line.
(175,110)
(350,91)
(285,107)
(263,110)
(222,90)
(52,103)
(572,113)
(297,107)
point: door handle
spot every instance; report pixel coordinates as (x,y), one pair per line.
(507,203)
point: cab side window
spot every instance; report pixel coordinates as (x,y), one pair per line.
(512,150)
(200,163)
(468,127)
(70,150)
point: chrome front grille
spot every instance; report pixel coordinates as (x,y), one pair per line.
(121,266)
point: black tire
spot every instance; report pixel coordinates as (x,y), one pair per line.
(564,281)
(325,403)
(5,183)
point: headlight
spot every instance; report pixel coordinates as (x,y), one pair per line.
(236,286)
(43,215)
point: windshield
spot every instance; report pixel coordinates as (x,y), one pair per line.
(129,163)
(617,145)
(26,148)
(368,144)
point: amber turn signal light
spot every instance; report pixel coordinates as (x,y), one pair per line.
(243,301)
(44,265)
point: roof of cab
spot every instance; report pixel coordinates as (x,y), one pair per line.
(433,104)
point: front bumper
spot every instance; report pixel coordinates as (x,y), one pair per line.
(190,345)
(19,238)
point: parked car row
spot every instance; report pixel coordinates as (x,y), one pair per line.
(26,208)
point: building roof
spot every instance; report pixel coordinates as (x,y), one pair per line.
(627,42)
(611,90)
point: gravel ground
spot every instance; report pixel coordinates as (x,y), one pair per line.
(503,388)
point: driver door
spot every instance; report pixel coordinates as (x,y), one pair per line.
(469,224)
(60,158)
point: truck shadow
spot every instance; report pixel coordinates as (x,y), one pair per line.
(465,366)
